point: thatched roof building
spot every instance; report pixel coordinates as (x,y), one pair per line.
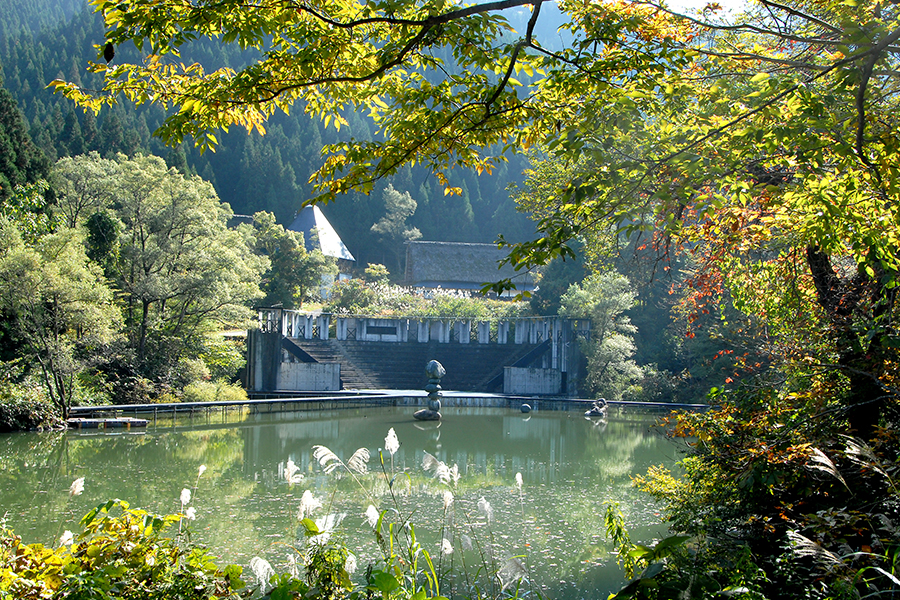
(459,266)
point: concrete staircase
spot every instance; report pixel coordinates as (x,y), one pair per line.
(330,352)
(391,365)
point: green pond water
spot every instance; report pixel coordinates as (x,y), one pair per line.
(571,469)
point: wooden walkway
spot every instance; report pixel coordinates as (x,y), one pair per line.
(292,402)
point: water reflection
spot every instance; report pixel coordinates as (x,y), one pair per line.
(571,467)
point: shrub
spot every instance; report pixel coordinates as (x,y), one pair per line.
(132,556)
(24,406)
(213,391)
(356,297)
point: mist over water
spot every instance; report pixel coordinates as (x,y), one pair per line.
(571,469)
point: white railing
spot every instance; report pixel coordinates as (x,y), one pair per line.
(323,326)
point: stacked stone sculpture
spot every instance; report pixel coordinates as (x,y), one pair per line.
(434,371)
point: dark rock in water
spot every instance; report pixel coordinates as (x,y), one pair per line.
(426,414)
(525,408)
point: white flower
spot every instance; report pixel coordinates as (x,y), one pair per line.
(67,538)
(519,481)
(372,516)
(446,546)
(350,563)
(308,503)
(77,487)
(263,571)
(190,514)
(448,499)
(484,507)
(201,471)
(391,443)
(185,496)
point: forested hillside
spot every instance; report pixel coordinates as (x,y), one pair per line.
(46,39)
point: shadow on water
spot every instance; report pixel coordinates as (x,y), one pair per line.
(572,467)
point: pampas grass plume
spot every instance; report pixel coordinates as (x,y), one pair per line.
(77,487)
(391,443)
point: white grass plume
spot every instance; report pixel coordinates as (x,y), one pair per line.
(454,473)
(308,503)
(372,516)
(291,473)
(484,507)
(803,546)
(358,461)
(448,499)
(442,472)
(293,567)
(819,461)
(445,474)
(512,571)
(519,481)
(429,462)
(263,571)
(350,563)
(466,542)
(67,538)
(391,443)
(326,526)
(863,455)
(185,497)
(327,459)
(446,547)
(77,487)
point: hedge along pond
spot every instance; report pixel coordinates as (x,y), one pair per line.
(257,468)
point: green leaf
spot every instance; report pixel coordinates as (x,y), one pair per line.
(310,526)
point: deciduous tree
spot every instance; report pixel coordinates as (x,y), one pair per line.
(59,302)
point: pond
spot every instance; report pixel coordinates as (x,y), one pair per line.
(571,469)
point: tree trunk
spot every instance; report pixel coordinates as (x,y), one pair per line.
(843,299)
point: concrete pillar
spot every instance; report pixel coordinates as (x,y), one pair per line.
(440,331)
(522,331)
(463,331)
(502,332)
(484,332)
(555,334)
(308,327)
(403,331)
(340,328)
(423,330)
(324,322)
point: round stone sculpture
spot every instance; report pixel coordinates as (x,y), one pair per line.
(435,371)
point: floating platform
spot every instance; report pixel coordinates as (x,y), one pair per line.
(107,423)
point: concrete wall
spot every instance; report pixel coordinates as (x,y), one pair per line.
(532,382)
(309,377)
